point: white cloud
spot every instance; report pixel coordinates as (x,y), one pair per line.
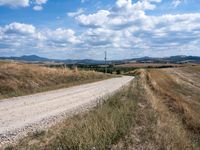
(78,12)
(123,14)
(127,27)
(19,28)
(14,3)
(20,37)
(62,36)
(23,3)
(40,2)
(58,35)
(94,20)
(126,30)
(37,8)
(127,5)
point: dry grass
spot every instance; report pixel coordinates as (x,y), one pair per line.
(159,111)
(142,134)
(174,94)
(168,113)
(180,93)
(18,79)
(96,129)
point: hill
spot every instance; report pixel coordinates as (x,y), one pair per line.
(35,58)
(173,59)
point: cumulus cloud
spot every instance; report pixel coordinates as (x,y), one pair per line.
(127,27)
(19,28)
(18,37)
(127,5)
(62,36)
(40,2)
(123,14)
(125,30)
(14,3)
(94,20)
(37,8)
(23,3)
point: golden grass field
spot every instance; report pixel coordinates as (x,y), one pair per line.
(160,110)
(174,94)
(18,79)
(168,115)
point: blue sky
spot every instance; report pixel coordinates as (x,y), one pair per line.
(80,29)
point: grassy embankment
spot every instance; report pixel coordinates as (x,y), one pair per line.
(103,127)
(159,110)
(174,95)
(98,128)
(18,79)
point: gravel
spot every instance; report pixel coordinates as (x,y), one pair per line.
(21,115)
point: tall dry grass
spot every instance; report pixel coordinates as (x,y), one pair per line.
(179,95)
(97,129)
(148,115)
(178,118)
(142,134)
(18,79)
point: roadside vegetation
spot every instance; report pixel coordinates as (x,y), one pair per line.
(98,128)
(176,96)
(17,79)
(168,114)
(119,68)
(158,110)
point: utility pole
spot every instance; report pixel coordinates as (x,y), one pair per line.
(105,62)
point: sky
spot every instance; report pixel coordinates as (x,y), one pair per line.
(84,29)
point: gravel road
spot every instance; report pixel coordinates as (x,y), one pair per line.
(21,115)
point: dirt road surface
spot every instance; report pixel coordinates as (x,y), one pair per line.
(21,115)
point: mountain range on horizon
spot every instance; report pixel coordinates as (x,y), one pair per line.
(171,59)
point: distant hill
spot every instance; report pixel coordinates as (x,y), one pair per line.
(172,59)
(26,58)
(35,58)
(177,59)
